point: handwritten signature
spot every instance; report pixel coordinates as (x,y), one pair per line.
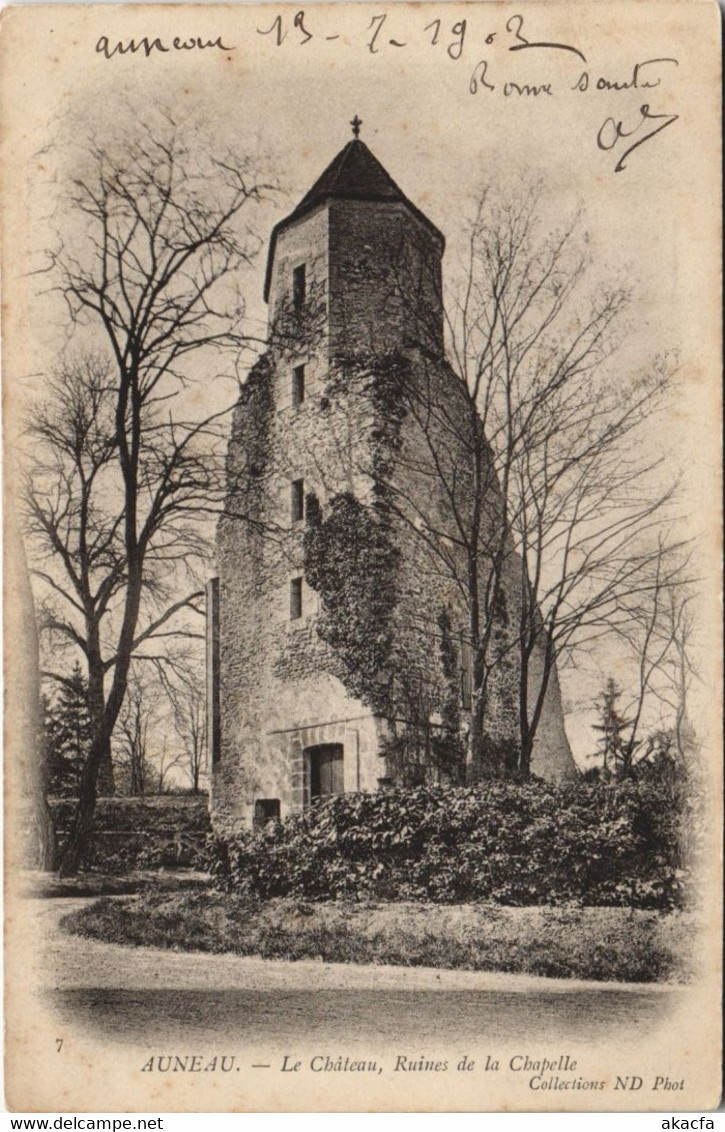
(644,75)
(612,132)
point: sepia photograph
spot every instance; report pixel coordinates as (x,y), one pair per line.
(362,532)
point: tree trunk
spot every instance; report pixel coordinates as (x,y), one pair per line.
(474,753)
(103,720)
(475,748)
(529,722)
(106,783)
(78,836)
(80,830)
(96,705)
(527,738)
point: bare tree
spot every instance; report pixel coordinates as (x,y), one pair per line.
(125,467)
(132,731)
(140,737)
(551,504)
(677,669)
(657,631)
(165,761)
(188,699)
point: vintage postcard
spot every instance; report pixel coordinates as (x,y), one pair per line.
(362,590)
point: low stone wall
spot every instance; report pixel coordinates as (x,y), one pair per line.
(131,833)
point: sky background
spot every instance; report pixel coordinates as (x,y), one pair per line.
(442,136)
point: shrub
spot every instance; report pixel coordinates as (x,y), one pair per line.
(590,943)
(516,844)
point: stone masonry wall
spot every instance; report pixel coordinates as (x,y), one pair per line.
(282,687)
(436,452)
(380,256)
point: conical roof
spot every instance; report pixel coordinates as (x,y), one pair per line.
(355,174)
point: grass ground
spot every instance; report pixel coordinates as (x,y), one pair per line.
(568,942)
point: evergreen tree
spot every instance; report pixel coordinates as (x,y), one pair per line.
(614,745)
(68,735)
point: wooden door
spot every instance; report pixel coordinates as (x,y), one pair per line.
(326,771)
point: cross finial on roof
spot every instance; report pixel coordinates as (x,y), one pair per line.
(356,123)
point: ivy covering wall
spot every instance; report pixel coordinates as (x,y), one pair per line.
(251,439)
(353,557)
(351,561)
(380,380)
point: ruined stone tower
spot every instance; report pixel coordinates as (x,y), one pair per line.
(338,653)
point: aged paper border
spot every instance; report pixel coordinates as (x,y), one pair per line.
(37,71)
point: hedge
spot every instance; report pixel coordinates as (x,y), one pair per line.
(514,844)
(140,832)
